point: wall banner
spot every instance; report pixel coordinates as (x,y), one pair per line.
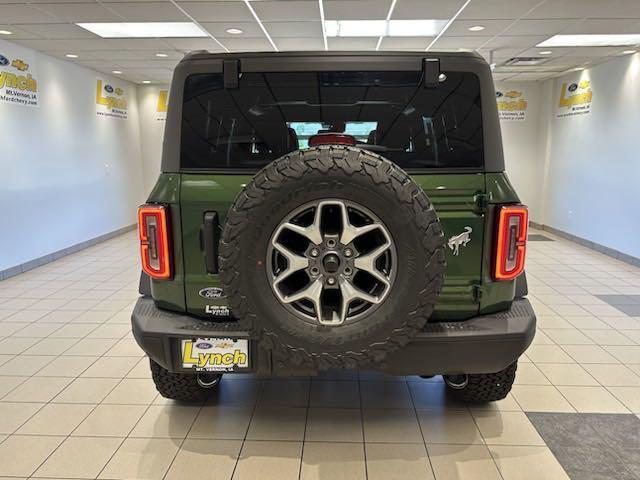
(18,78)
(111,101)
(575,99)
(162,105)
(512,105)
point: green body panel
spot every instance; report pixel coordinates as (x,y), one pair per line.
(453,195)
(461,200)
(169,294)
(496,296)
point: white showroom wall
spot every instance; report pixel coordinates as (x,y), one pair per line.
(592,172)
(68,174)
(524,145)
(152,121)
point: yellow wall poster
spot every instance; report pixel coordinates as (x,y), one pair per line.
(575,99)
(512,105)
(162,105)
(18,78)
(111,100)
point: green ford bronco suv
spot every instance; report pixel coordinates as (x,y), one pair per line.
(329,210)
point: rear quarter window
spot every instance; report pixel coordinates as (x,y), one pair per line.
(390,113)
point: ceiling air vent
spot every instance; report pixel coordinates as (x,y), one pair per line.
(525,61)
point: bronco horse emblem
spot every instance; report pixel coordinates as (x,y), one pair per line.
(460,239)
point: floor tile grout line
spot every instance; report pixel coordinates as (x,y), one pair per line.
(364,438)
(304,431)
(424,441)
(246,433)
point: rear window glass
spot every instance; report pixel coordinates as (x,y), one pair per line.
(271,114)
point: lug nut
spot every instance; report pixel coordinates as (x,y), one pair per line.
(315,252)
(348,252)
(331,281)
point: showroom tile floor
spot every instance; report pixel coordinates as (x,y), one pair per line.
(76,400)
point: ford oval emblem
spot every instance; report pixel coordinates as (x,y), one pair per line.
(499,94)
(573,87)
(108,88)
(211,292)
(3,60)
(204,346)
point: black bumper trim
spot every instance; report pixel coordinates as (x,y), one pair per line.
(483,344)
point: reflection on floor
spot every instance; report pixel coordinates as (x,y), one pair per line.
(76,399)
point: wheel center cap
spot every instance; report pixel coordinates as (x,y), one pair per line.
(331,263)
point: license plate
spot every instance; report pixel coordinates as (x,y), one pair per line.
(215,354)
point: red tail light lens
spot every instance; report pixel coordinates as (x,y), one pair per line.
(331,139)
(153,228)
(511,246)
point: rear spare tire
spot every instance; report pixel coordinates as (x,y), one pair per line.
(335,255)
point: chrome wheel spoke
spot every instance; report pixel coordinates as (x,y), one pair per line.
(351,232)
(351,293)
(313,293)
(367,263)
(323,266)
(295,262)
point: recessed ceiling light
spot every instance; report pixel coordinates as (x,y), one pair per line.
(476,28)
(117,72)
(162,55)
(545,52)
(5,32)
(71,55)
(145,29)
(234,31)
(146,81)
(377,28)
(591,40)
(629,52)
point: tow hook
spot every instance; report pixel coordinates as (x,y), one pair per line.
(208,380)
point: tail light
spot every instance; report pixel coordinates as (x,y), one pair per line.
(153,227)
(511,246)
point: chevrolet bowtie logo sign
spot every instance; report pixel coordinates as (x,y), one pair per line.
(20,65)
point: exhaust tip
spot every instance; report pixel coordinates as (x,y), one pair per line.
(208,380)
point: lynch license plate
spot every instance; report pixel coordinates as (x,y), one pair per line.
(215,354)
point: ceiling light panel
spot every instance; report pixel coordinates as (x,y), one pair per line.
(377,28)
(145,30)
(591,40)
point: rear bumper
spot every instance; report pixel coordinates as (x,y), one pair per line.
(483,344)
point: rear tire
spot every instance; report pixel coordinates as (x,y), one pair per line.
(487,387)
(179,386)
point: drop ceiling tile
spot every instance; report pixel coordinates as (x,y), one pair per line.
(291,10)
(298,44)
(352,43)
(17,13)
(497,9)
(460,28)
(459,42)
(248,44)
(219,29)
(529,76)
(524,41)
(218,11)
(79,12)
(356,9)
(601,25)
(149,12)
(425,9)
(402,43)
(539,27)
(502,53)
(586,8)
(294,29)
(69,46)
(501,77)
(156,44)
(148,64)
(190,44)
(18,33)
(57,31)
